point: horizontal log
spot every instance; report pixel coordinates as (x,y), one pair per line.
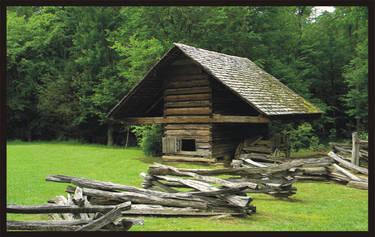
(194,119)
(145,199)
(340,149)
(345,145)
(239,119)
(40,226)
(188,126)
(310,177)
(184,158)
(187,104)
(313,170)
(109,186)
(187,132)
(193,90)
(192,77)
(197,152)
(234,200)
(256,164)
(317,162)
(358,184)
(241,171)
(64,225)
(157,210)
(238,171)
(347,164)
(187,111)
(51,208)
(188,84)
(188,119)
(203,145)
(142,120)
(258,149)
(187,97)
(337,148)
(362,142)
(260,157)
(213,180)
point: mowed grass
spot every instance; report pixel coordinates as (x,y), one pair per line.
(317,206)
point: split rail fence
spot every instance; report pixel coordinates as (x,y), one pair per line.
(93,205)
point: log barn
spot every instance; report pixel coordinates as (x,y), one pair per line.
(208,103)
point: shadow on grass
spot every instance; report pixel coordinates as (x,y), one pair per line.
(277,199)
(151,160)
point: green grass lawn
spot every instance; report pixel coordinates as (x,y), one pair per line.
(317,206)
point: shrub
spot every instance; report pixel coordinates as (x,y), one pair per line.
(303,137)
(363,135)
(149,138)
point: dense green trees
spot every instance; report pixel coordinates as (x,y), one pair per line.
(68,66)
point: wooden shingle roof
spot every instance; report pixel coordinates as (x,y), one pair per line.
(244,78)
(260,89)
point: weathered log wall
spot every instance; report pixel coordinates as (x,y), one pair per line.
(187,93)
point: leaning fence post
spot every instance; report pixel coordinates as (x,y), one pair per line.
(355,149)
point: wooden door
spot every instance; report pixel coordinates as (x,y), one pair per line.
(170,145)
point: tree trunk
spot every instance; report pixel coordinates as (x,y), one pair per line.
(110,134)
(127,139)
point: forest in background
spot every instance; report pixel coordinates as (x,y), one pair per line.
(68,66)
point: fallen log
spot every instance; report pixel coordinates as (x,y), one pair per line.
(141,198)
(263,157)
(344,145)
(233,200)
(153,170)
(347,173)
(256,164)
(43,226)
(310,177)
(358,184)
(67,225)
(338,177)
(313,170)
(339,148)
(50,208)
(213,180)
(347,164)
(109,217)
(108,186)
(158,210)
(348,150)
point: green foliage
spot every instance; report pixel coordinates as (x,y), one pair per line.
(363,135)
(149,138)
(303,137)
(68,66)
(138,57)
(356,72)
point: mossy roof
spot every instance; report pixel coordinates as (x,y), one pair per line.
(257,87)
